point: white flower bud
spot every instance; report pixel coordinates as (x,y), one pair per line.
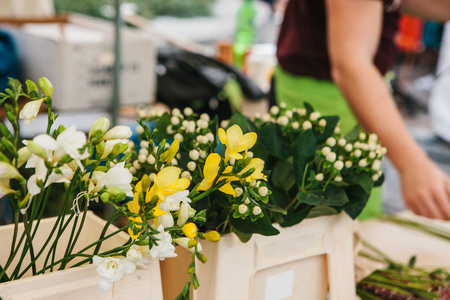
(188,111)
(383,150)
(338,165)
(301,111)
(243,209)
(372,155)
(142,158)
(342,142)
(253,183)
(185,123)
(338,178)
(295,125)
(357,153)
(132,170)
(210,137)
(376,165)
(337,130)
(283,120)
(306,125)
(262,191)
(283,105)
(289,114)
(250,154)
(348,147)
(194,155)
(200,139)
(176,112)
(170,129)
(364,146)
(238,191)
(174,162)
(314,116)
(326,150)
(362,136)
(331,141)
(202,154)
(265,118)
(331,157)
(358,145)
(274,110)
(191,166)
(136,165)
(144,144)
(151,159)
(319,177)
(143,151)
(224,123)
(152,177)
(257,116)
(247,201)
(256,210)
(204,117)
(362,163)
(185,174)
(191,127)
(348,164)
(139,129)
(179,137)
(323,123)
(232,161)
(373,137)
(375,177)
(372,146)
(175,120)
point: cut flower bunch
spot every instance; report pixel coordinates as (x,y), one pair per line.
(90,168)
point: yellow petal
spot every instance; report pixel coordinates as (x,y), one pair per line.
(211,167)
(222,136)
(133,205)
(247,142)
(205,185)
(228,170)
(131,233)
(235,155)
(183,184)
(227,189)
(173,150)
(234,136)
(157,212)
(168,177)
(256,163)
(138,188)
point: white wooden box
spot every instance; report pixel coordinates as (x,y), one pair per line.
(80,282)
(303,262)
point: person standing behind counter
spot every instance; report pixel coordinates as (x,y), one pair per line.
(333,54)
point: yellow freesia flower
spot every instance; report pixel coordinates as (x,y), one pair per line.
(236,142)
(173,150)
(136,222)
(210,172)
(258,165)
(190,230)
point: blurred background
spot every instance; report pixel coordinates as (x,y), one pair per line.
(216,56)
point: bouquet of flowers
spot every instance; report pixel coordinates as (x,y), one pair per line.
(96,168)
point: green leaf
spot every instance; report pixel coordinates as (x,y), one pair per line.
(243,237)
(412,262)
(357,200)
(321,210)
(32,89)
(271,137)
(283,175)
(304,150)
(328,131)
(332,196)
(308,107)
(262,226)
(362,180)
(279,197)
(353,135)
(243,122)
(161,126)
(296,217)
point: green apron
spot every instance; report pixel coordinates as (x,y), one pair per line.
(327,99)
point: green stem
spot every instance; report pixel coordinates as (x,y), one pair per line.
(30,241)
(105,228)
(13,243)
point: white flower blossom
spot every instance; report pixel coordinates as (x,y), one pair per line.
(184,241)
(238,191)
(289,114)
(250,154)
(283,120)
(202,154)
(191,166)
(314,116)
(30,111)
(342,142)
(362,136)
(375,177)
(165,220)
(319,177)
(322,123)
(185,212)
(117,177)
(179,136)
(144,144)
(357,153)
(331,157)
(266,118)
(262,191)
(295,125)
(338,165)
(331,141)
(376,165)
(188,111)
(164,248)
(338,178)
(301,111)
(283,105)
(326,150)
(118,132)
(348,147)
(362,163)
(257,210)
(274,110)
(204,117)
(306,125)
(111,269)
(348,164)
(243,209)
(175,120)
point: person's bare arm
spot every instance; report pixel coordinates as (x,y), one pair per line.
(354,29)
(438,10)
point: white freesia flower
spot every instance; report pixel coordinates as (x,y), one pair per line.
(164,248)
(166,220)
(116,177)
(172,202)
(70,141)
(109,145)
(24,155)
(118,132)
(185,212)
(111,269)
(101,124)
(7,171)
(183,242)
(30,111)
(139,255)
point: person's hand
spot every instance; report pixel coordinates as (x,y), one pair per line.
(426,189)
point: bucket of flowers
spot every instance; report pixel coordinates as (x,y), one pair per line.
(45,258)
(278,170)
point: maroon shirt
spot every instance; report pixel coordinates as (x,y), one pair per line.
(302,45)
